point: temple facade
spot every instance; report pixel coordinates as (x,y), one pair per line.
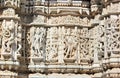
(59,38)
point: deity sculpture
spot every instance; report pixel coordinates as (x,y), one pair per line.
(37,41)
(9,35)
(70,45)
(11,38)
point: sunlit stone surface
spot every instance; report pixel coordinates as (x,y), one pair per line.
(59,38)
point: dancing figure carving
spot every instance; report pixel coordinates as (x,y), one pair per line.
(37,41)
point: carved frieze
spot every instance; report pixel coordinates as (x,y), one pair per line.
(69,20)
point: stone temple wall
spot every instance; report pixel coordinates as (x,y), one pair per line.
(59,39)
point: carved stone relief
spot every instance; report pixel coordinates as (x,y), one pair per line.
(71,44)
(9,12)
(113,36)
(37,39)
(98,42)
(37,44)
(11,36)
(61,20)
(52,44)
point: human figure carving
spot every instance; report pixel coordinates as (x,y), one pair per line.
(70,46)
(37,42)
(9,35)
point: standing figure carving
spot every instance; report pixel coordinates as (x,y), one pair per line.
(8,35)
(37,41)
(70,42)
(11,42)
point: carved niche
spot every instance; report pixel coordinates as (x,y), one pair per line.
(11,38)
(37,43)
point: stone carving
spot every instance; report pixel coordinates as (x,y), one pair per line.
(69,20)
(70,47)
(114,7)
(10,36)
(101,32)
(52,44)
(113,36)
(86,48)
(59,39)
(37,38)
(39,19)
(70,44)
(19,39)
(9,12)
(98,42)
